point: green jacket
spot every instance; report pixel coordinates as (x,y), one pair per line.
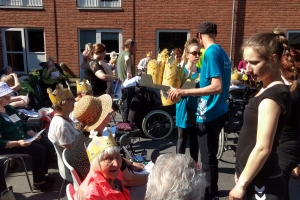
(11,131)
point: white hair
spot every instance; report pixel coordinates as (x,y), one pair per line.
(95,164)
(175,176)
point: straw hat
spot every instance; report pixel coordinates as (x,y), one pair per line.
(92,111)
(4,89)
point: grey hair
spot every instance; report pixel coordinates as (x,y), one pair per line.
(95,164)
(56,105)
(5,69)
(175,176)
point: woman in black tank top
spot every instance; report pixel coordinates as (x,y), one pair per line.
(258,175)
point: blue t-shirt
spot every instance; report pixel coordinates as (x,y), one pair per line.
(186,108)
(215,64)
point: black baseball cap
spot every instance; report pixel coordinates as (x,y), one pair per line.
(207,27)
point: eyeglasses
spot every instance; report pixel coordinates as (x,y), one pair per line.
(194,53)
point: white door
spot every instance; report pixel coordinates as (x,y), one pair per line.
(14,51)
(35,48)
(23,49)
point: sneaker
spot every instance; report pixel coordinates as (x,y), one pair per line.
(43,187)
(49,179)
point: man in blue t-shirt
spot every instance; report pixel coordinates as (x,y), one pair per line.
(212,107)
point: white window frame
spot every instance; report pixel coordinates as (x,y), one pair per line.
(98,39)
(20,4)
(98,4)
(171,31)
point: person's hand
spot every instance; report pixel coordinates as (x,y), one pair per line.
(237,193)
(129,75)
(23,143)
(137,166)
(38,138)
(174,93)
(236,179)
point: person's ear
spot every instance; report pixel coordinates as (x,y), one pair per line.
(274,57)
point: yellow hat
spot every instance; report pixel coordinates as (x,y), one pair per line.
(59,94)
(83,86)
(99,144)
(149,54)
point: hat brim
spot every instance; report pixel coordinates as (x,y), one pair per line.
(6,92)
(106,104)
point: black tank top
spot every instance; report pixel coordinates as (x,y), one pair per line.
(247,138)
(99,86)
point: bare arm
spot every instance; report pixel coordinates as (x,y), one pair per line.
(17,85)
(214,88)
(268,113)
(132,179)
(105,77)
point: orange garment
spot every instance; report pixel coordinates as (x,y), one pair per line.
(96,187)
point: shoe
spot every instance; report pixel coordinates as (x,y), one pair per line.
(49,179)
(43,187)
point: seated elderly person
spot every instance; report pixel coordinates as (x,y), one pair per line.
(104,178)
(61,130)
(51,75)
(6,71)
(13,82)
(13,140)
(94,114)
(175,176)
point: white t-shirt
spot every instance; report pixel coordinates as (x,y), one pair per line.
(62,131)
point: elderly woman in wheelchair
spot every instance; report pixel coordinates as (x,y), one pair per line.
(94,114)
(15,137)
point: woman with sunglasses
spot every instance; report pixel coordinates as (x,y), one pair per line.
(14,133)
(186,108)
(96,73)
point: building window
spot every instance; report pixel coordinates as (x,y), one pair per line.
(21,3)
(171,39)
(294,38)
(23,49)
(112,38)
(101,4)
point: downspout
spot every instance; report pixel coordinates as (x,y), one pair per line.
(134,26)
(55,28)
(232,29)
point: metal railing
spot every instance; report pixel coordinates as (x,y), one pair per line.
(21,3)
(99,4)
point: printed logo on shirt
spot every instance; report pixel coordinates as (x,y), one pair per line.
(260,191)
(202,108)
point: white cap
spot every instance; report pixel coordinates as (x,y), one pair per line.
(4,89)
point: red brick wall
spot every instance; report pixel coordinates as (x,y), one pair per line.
(250,17)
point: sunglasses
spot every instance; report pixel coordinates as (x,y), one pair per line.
(194,53)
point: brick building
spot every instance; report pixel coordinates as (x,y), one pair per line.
(32,30)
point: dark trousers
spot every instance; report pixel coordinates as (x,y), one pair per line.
(266,188)
(208,139)
(183,134)
(3,185)
(127,95)
(40,151)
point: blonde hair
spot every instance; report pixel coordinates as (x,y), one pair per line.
(187,46)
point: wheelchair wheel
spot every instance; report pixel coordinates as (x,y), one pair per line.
(221,144)
(157,124)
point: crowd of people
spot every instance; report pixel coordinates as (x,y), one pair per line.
(267,150)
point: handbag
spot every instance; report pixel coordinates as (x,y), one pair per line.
(8,194)
(125,126)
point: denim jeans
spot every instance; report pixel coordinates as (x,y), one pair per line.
(208,139)
(40,151)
